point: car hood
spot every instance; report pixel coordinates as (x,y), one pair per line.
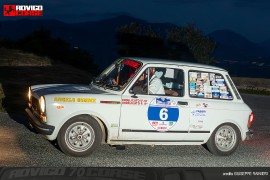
(41,90)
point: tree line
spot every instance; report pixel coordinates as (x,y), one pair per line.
(186,43)
(42,43)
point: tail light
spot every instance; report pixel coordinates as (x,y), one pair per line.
(250,120)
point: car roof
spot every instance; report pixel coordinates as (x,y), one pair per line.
(174,62)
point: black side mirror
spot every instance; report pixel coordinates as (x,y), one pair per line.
(135,90)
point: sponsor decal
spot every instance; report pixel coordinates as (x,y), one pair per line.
(192,88)
(198,105)
(163,113)
(208,85)
(64,99)
(223,89)
(207,92)
(22,10)
(225,96)
(205,76)
(199,83)
(215,92)
(59,107)
(193,76)
(134,101)
(154,123)
(198,112)
(218,77)
(212,77)
(80,100)
(220,82)
(110,102)
(86,100)
(197,117)
(205,105)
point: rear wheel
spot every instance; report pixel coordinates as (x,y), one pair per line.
(224,140)
(79,136)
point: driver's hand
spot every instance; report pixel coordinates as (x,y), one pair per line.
(114,82)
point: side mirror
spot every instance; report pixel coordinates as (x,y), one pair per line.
(135,90)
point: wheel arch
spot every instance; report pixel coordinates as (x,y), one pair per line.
(228,121)
(100,121)
(102,125)
(84,144)
(217,148)
(104,129)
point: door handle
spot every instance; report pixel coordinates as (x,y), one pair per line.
(182,103)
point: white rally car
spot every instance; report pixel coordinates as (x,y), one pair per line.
(143,101)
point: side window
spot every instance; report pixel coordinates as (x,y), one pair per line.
(208,85)
(173,80)
(160,81)
(233,87)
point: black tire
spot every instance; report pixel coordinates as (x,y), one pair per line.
(224,140)
(79,136)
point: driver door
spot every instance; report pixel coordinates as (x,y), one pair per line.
(149,117)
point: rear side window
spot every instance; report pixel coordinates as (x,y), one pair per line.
(208,85)
(233,87)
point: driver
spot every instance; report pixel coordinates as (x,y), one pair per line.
(123,76)
(155,84)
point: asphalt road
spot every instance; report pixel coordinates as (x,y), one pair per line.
(21,147)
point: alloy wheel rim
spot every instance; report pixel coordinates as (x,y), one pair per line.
(79,136)
(225,138)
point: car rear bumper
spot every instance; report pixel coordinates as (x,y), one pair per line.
(249,134)
(38,125)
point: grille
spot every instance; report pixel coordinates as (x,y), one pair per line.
(35,104)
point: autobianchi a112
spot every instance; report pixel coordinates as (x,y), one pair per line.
(143,101)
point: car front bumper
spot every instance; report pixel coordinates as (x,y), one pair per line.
(38,125)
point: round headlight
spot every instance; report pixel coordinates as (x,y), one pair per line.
(42,104)
(29,94)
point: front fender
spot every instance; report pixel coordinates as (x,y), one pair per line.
(63,120)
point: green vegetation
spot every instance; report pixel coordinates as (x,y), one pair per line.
(252,85)
(16,78)
(198,44)
(41,43)
(180,43)
(14,57)
(2,96)
(255,91)
(39,58)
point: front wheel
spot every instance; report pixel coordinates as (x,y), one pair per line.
(79,136)
(224,140)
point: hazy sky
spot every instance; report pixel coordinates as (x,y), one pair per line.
(251,18)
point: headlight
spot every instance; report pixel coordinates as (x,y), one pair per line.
(29,94)
(42,104)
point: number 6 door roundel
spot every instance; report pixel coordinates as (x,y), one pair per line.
(163,113)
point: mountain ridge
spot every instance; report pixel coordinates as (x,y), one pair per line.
(98,38)
(230,44)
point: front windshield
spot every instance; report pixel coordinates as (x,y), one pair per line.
(118,74)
